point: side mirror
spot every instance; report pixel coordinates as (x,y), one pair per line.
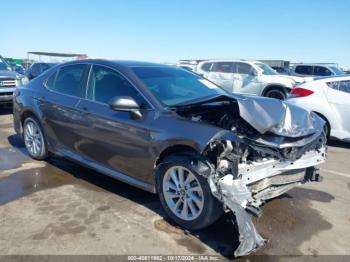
(126,104)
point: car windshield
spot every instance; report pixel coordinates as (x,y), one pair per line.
(337,71)
(266,70)
(172,86)
(4,66)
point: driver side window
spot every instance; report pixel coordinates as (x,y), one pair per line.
(105,83)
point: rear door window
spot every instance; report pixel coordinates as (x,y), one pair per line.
(69,80)
(304,70)
(224,67)
(344,86)
(321,71)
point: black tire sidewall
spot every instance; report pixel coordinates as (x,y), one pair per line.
(283,93)
(212,208)
(44,152)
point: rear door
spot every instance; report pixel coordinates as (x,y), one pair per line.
(339,98)
(113,139)
(222,75)
(65,89)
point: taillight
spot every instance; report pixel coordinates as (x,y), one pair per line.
(301,92)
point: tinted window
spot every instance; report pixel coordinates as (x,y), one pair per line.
(50,82)
(334,85)
(172,86)
(303,70)
(344,86)
(44,67)
(321,71)
(266,70)
(206,67)
(243,68)
(337,71)
(223,67)
(105,83)
(69,80)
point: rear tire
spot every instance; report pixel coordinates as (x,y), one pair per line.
(276,93)
(34,139)
(188,201)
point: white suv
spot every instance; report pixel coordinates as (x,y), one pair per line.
(247,77)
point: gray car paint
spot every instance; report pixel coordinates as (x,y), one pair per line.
(67,122)
(116,144)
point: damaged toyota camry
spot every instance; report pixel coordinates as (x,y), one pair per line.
(168,131)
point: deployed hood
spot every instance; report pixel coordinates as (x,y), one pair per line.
(10,74)
(278,117)
(267,116)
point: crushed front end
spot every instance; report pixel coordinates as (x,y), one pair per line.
(265,149)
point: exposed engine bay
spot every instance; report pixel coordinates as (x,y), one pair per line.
(266,148)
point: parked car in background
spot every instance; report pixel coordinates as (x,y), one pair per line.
(172,132)
(9,80)
(38,68)
(18,68)
(203,68)
(281,70)
(329,97)
(247,77)
(315,70)
(280,66)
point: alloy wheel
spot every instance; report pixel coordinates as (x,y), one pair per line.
(183,193)
(33,138)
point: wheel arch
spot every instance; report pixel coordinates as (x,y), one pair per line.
(28,113)
(274,86)
(175,149)
(326,120)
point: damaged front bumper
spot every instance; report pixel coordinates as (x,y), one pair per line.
(256,182)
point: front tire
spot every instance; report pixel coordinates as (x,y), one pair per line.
(186,196)
(34,139)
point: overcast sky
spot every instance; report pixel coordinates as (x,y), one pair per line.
(165,31)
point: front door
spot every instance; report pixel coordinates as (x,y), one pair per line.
(112,138)
(222,75)
(245,81)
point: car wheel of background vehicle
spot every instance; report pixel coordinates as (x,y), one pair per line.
(276,93)
(186,196)
(34,139)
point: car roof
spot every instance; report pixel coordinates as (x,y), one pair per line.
(230,60)
(119,63)
(314,64)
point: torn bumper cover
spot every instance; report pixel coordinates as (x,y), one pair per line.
(249,172)
(244,192)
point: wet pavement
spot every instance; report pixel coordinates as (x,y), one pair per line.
(59,207)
